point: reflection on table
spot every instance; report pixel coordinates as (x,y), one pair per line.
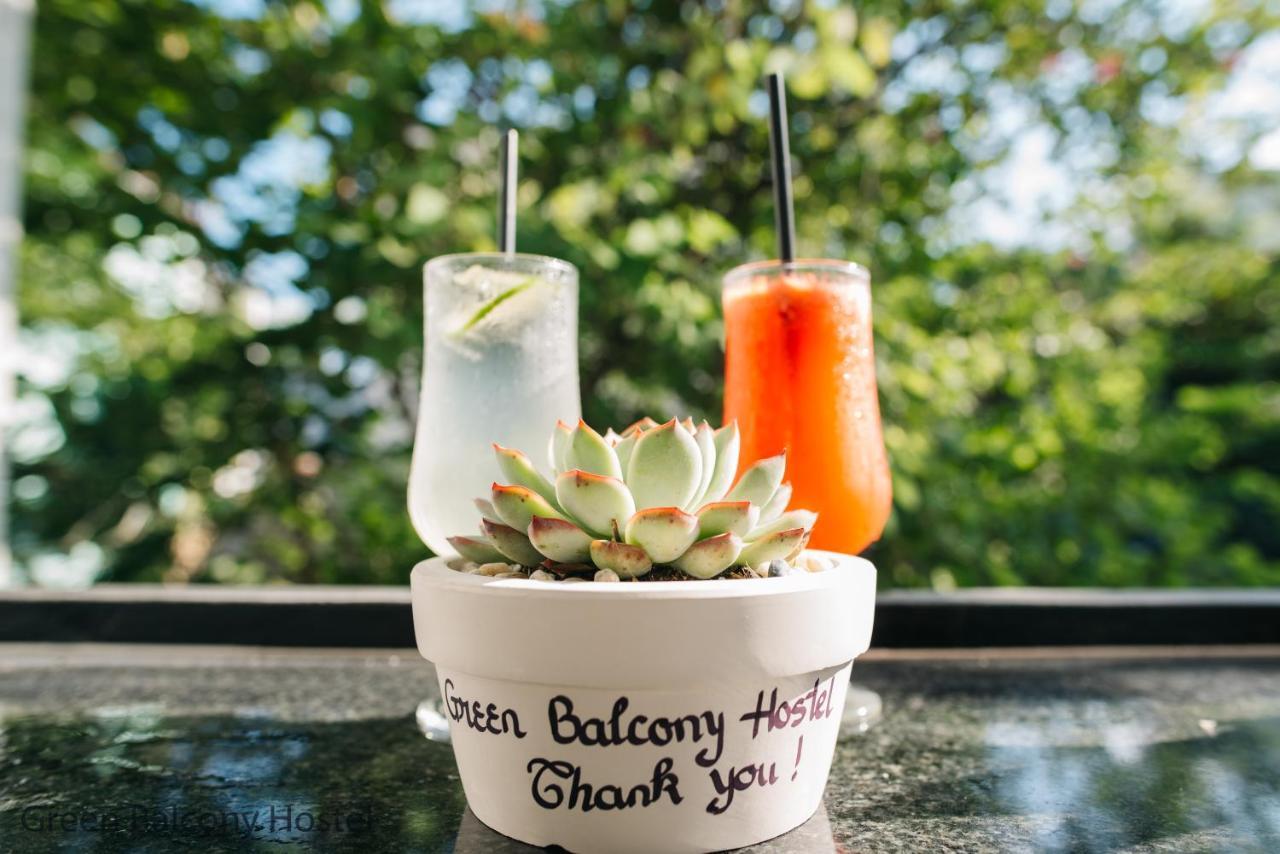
(1079,753)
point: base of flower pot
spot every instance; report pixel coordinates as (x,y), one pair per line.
(665,716)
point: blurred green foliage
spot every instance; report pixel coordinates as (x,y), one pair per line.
(227,206)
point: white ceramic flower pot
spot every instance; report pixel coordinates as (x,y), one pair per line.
(644,716)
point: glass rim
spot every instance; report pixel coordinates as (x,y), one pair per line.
(457,257)
(800,265)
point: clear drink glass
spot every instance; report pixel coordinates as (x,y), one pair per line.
(500,365)
(800,377)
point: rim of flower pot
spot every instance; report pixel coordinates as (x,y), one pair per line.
(436,570)
(658,634)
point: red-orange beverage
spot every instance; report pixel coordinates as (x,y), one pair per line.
(800,377)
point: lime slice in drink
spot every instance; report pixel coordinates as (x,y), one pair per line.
(483,311)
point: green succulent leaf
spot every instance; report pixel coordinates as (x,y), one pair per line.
(775,546)
(759,482)
(665,467)
(705,437)
(641,426)
(597,502)
(518,469)
(800,546)
(710,557)
(558,445)
(721,517)
(476,549)
(517,505)
(663,532)
(803,519)
(487,510)
(778,503)
(727,443)
(624,448)
(589,452)
(514,545)
(627,560)
(560,540)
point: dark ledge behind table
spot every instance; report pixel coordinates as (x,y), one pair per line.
(380,616)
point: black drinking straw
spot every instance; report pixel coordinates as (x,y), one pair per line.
(784,214)
(507,192)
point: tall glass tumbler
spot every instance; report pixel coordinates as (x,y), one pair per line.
(800,377)
(500,365)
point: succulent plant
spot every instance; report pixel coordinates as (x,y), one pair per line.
(652,495)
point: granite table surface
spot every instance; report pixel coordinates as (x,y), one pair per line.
(119,748)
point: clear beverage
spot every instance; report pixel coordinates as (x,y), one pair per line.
(800,377)
(500,365)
